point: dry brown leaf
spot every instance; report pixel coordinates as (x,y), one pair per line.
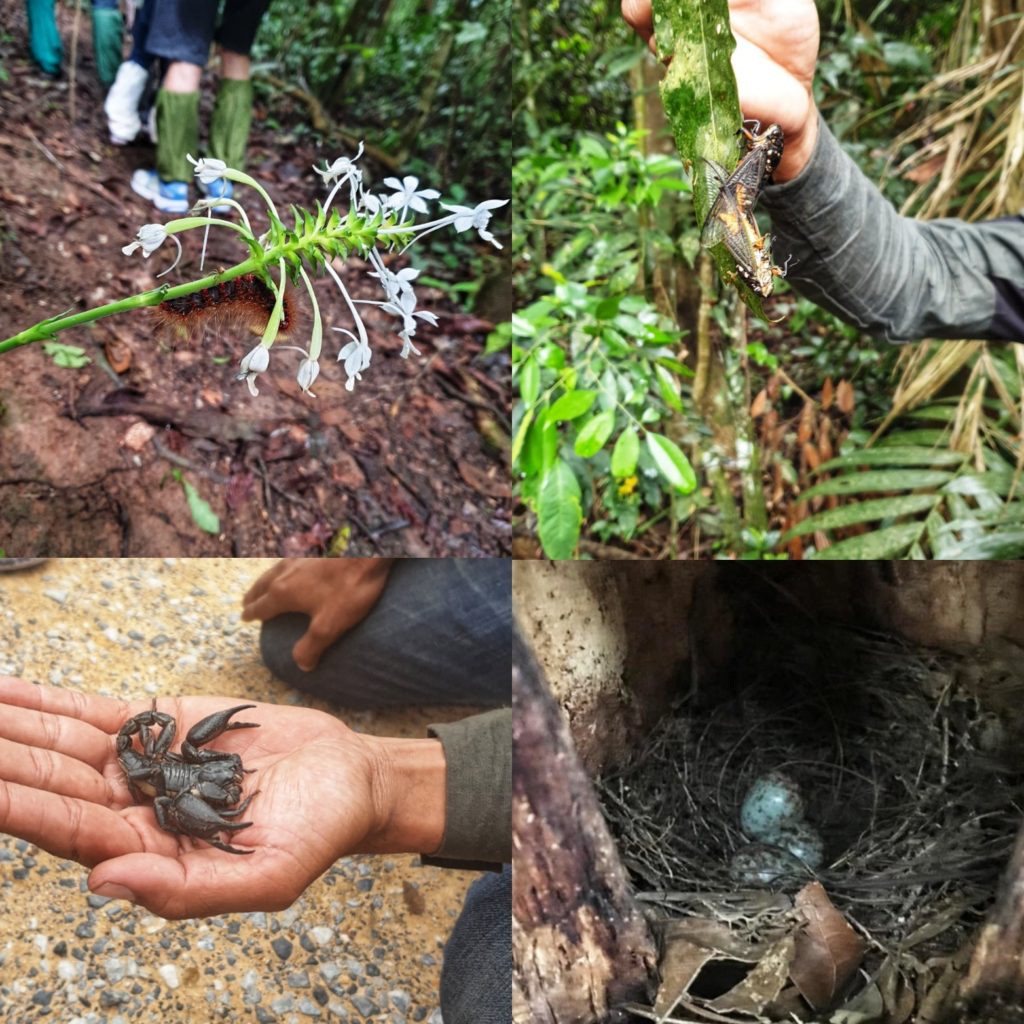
(812,460)
(927,170)
(845,397)
(806,429)
(827,393)
(828,950)
(118,353)
(763,984)
(759,405)
(688,945)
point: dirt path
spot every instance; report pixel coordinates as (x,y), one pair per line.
(413,462)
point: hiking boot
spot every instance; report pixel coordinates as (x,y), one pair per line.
(169,196)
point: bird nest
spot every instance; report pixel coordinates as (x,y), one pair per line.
(900,772)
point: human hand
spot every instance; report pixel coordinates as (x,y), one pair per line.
(336,594)
(774,60)
(323,792)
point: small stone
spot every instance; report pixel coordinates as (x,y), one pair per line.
(366,1006)
(112,634)
(282,947)
(282,1004)
(364,884)
(134,634)
(400,1000)
(159,640)
(41,942)
(85,931)
(308,1007)
(373,970)
(321,935)
(60,596)
(42,997)
(115,968)
(320,995)
(264,1016)
(330,972)
(67,970)
(96,902)
(60,948)
(307,943)
(170,975)
(299,979)
(110,998)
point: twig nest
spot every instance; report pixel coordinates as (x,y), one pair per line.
(772,803)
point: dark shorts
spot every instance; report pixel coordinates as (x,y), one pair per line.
(184,29)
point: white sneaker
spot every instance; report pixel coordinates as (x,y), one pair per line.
(122,103)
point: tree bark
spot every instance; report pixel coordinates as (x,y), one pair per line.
(992,991)
(580,943)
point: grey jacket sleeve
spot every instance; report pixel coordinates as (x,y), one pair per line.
(895,277)
(478,817)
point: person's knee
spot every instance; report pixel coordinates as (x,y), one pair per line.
(277,638)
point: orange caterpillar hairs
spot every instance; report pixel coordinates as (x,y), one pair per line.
(246,301)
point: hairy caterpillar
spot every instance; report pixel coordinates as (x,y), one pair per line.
(246,301)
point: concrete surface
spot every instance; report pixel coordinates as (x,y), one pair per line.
(365,941)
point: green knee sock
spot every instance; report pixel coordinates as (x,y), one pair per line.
(107,35)
(177,131)
(43,37)
(232,115)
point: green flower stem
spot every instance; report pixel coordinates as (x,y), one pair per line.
(172,227)
(242,178)
(46,329)
(315,247)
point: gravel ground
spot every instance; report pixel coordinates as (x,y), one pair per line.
(364,942)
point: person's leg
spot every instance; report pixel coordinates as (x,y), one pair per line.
(180,31)
(476,977)
(43,37)
(441,633)
(232,109)
(107,39)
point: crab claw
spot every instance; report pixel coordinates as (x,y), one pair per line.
(210,728)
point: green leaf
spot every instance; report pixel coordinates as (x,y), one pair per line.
(880,480)
(668,387)
(882,544)
(672,464)
(524,426)
(70,357)
(529,381)
(1004,545)
(558,511)
(905,456)
(203,516)
(625,453)
(865,512)
(595,432)
(571,405)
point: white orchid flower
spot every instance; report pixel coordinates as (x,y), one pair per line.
(208,170)
(254,363)
(477,217)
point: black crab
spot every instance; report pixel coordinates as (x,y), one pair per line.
(195,790)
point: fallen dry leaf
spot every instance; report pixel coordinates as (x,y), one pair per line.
(828,950)
(845,397)
(827,393)
(118,353)
(763,984)
(484,481)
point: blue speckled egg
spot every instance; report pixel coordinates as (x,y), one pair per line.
(772,802)
(803,841)
(760,864)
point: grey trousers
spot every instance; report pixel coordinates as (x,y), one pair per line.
(440,634)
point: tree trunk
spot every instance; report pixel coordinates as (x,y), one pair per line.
(992,992)
(580,943)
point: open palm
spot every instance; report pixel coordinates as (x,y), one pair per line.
(63,789)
